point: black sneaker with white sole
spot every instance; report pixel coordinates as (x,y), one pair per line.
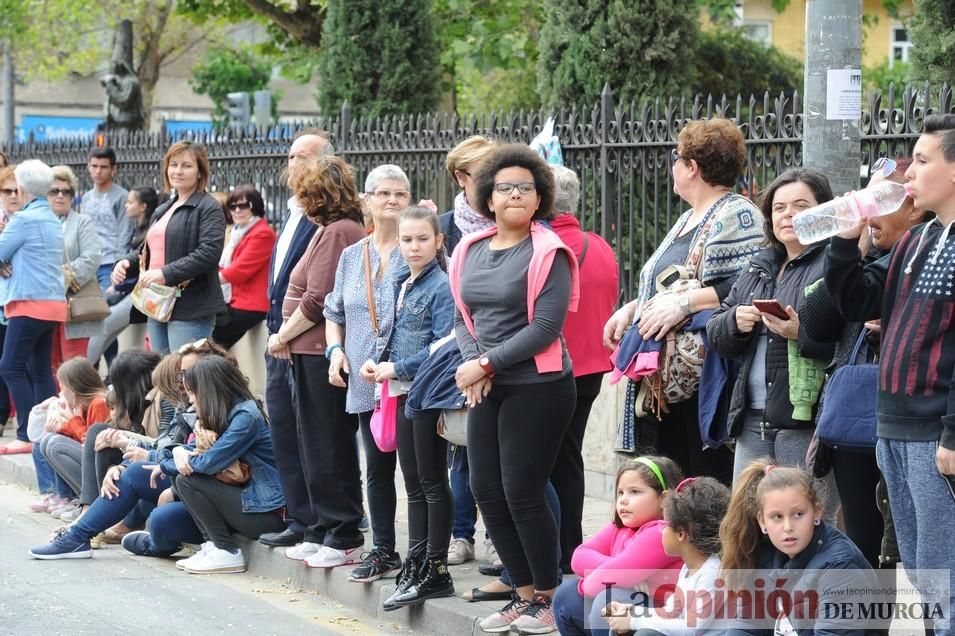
(379,563)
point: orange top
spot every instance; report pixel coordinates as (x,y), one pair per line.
(156,240)
(52,310)
(95,413)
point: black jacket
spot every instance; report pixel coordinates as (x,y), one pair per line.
(451,231)
(759,281)
(195,237)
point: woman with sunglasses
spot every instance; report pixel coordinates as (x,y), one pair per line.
(244,266)
(182,249)
(81,256)
(719,234)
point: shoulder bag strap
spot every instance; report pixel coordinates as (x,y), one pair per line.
(583,252)
(369,289)
(695,257)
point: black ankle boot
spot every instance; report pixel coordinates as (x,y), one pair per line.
(434,582)
(410,574)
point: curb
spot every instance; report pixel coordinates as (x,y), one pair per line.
(442,616)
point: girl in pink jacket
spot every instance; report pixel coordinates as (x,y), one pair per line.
(628,553)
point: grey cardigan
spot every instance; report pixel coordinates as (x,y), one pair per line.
(81,254)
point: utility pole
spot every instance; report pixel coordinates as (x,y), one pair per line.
(833,91)
(9,79)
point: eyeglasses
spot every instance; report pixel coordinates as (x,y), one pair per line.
(884,165)
(385,195)
(55,192)
(675,156)
(8,191)
(240,206)
(524,187)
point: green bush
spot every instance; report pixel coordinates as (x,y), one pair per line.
(729,63)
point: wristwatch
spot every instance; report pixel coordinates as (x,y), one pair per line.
(485,363)
(685,304)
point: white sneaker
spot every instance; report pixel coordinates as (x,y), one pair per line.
(490,552)
(217,561)
(460,551)
(327,557)
(302,551)
(182,564)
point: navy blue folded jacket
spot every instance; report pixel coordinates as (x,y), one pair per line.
(433,386)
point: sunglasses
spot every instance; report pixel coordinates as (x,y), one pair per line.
(201,345)
(884,165)
(240,206)
(55,192)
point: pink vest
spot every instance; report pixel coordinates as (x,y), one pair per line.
(546,244)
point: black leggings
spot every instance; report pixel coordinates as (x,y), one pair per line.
(423,457)
(857,475)
(513,439)
(216,508)
(235,325)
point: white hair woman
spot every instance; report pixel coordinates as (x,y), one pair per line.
(81,257)
(35,300)
(356,331)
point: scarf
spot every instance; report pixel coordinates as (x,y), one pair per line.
(467,218)
(235,237)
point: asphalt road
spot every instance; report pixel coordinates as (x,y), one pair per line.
(117,593)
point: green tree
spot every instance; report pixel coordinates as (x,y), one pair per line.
(381,56)
(729,63)
(932,32)
(640,47)
(223,71)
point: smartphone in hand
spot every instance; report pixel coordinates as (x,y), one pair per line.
(771,307)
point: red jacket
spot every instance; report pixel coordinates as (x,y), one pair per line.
(77,425)
(599,288)
(249,270)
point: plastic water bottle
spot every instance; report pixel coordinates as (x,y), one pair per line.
(838,215)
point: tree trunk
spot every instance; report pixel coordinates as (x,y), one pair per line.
(149,65)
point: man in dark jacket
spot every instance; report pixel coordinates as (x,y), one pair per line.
(294,237)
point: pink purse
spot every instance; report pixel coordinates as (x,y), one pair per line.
(384,421)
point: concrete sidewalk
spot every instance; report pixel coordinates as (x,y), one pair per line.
(439,616)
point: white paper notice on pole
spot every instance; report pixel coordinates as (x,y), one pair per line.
(843,93)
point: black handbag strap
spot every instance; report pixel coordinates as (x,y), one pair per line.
(583,252)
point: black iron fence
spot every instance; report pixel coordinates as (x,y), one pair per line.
(620,151)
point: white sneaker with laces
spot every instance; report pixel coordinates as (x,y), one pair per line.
(182,564)
(460,551)
(302,551)
(217,561)
(327,557)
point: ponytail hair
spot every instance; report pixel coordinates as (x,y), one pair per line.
(740,532)
(423,212)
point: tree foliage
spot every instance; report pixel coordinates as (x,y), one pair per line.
(641,47)
(380,55)
(223,71)
(932,32)
(730,64)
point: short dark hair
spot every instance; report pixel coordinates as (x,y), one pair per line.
(718,148)
(515,156)
(250,194)
(698,509)
(103,152)
(816,181)
(943,126)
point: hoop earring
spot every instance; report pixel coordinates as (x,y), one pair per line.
(817,521)
(765,530)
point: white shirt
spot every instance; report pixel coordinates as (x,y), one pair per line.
(285,236)
(703,579)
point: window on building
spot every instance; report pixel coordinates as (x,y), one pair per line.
(758,31)
(900,45)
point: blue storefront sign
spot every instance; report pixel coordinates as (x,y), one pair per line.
(50,127)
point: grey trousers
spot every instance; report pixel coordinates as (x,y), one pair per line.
(65,455)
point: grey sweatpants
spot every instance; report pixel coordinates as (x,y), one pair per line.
(923,509)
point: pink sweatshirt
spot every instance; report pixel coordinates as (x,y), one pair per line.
(546,244)
(624,556)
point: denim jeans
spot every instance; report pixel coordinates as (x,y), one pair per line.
(103,274)
(465,508)
(169,336)
(169,527)
(133,485)
(25,366)
(46,478)
(577,616)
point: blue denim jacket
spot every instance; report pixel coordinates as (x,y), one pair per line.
(247,438)
(426,315)
(33,245)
